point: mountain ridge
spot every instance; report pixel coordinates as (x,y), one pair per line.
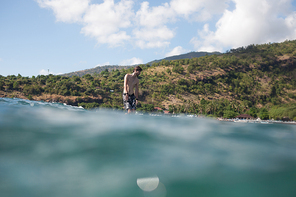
(99,69)
(189,55)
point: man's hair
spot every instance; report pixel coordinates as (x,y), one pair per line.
(137,68)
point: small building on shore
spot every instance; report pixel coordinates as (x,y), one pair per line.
(166,112)
(245,116)
(157,109)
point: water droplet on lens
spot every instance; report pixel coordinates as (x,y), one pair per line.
(148,184)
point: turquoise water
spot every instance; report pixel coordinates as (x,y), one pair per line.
(55,150)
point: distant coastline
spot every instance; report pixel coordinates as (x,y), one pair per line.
(157,113)
(257,80)
(258,121)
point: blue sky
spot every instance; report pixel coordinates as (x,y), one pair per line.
(70,35)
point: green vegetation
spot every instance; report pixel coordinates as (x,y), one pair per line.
(259,80)
(95,70)
(281,112)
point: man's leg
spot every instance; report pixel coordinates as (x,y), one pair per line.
(126,103)
(133,103)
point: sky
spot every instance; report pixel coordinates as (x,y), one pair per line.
(40,37)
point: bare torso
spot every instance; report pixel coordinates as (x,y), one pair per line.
(130,82)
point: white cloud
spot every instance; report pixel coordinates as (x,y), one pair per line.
(150,30)
(108,21)
(290,22)
(104,64)
(176,51)
(66,10)
(201,10)
(205,41)
(186,7)
(153,37)
(132,61)
(155,16)
(114,24)
(251,22)
(104,21)
(47,72)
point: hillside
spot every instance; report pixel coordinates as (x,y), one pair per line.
(258,79)
(185,56)
(99,69)
(95,70)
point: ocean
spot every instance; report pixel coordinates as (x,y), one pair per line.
(56,150)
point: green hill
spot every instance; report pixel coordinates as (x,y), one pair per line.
(259,80)
(95,70)
(185,56)
(99,69)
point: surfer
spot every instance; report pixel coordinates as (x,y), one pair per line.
(131,90)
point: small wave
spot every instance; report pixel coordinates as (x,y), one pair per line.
(52,149)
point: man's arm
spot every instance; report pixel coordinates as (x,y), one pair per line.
(125,87)
(125,84)
(137,91)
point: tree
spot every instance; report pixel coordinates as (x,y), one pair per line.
(1,85)
(178,69)
(229,114)
(169,71)
(76,79)
(190,69)
(209,108)
(264,115)
(16,85)
(89,77)
(32,90)
(273,91)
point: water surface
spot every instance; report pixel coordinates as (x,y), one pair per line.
(51,149)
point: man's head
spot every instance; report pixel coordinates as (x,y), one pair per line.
(137,70)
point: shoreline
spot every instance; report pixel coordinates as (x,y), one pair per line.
(257,121)
(251,121)
(50,98)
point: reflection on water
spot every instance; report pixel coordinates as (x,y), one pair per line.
(50,149)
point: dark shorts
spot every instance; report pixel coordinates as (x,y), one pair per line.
(130,103)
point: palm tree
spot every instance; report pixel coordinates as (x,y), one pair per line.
(209,108)
(232,104)
(236,106)
(215,106)
(244,105)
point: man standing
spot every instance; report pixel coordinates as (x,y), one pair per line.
(130,97)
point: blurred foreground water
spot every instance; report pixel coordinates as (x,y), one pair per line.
(54,150)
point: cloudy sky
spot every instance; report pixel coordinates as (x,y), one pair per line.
(61,36)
